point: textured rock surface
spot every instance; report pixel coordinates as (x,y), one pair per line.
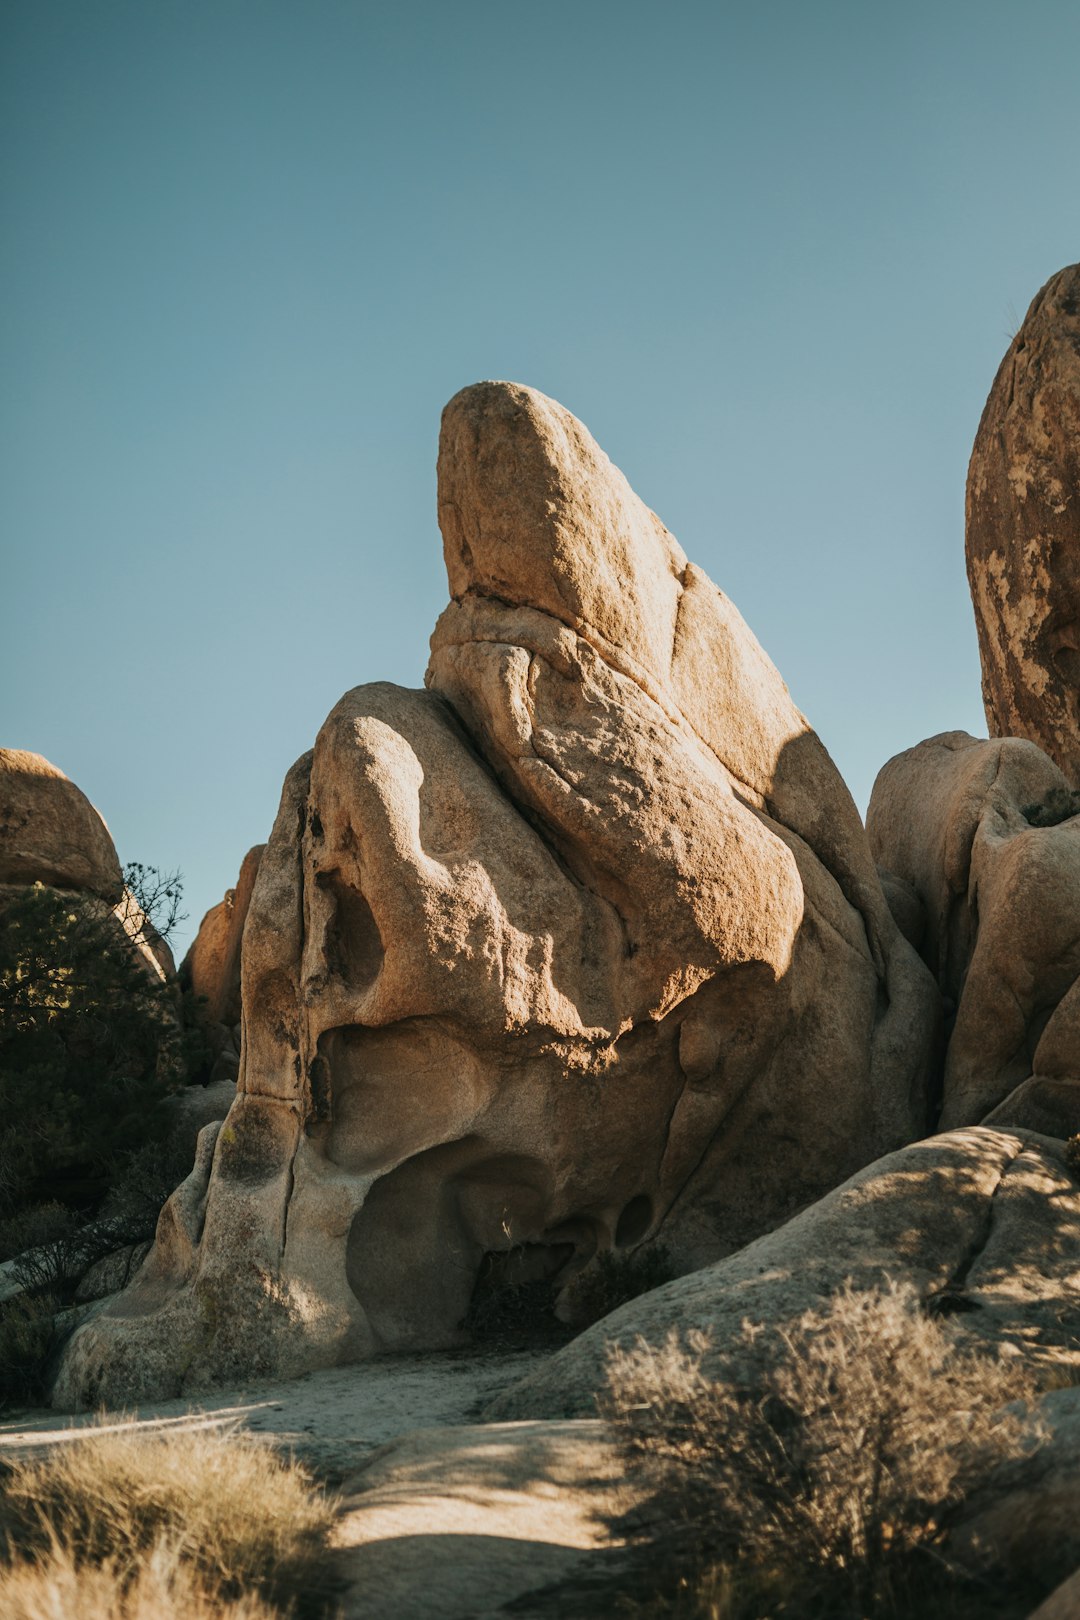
(971,827)
(582,946)
(986,1221)
(50,832)
(1024,1520)
(211,967)
(1063,1603)
(1023,530)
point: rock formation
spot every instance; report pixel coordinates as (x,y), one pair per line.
(50,832)
(580,947)
(984,1224)
(986,836)
(211,967)
(1023,530)
(211,971)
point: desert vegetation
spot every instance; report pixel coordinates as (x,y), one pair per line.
(809,1472)
(122,1525)
(92,1043)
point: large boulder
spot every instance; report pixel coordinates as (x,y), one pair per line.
(1023,530)
(50,832)
(984,1224)
(211,968)
(580,947)
(985,835)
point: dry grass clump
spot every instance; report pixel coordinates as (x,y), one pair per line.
(147,1527)
(164,1587)
(821,1483)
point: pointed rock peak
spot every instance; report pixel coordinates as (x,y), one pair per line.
(534,513)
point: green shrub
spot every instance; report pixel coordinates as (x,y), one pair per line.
(27,1340)
(512,1306)
(90,1045)
(34,1226)
(811,1471)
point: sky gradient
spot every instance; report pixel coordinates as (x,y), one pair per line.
(770,254)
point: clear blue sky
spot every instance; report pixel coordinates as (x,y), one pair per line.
(771,254)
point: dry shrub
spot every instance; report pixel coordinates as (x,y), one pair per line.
(821,1482)
(164,1587)
(203,1509)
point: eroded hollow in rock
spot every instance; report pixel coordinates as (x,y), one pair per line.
(446,1221)
(352,944)
(634,1222)
(515,1294)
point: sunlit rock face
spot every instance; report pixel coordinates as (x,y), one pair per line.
(50,832)
(580,947)
(986,835)
(1023,530)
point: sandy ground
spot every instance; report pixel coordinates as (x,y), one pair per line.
(441,1517)
(333,1420)
(472,1522)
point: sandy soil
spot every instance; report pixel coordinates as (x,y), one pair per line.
(333,1420)
(441,1517)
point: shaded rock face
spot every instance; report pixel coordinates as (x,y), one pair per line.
(211,972)
(211,968)
(984,1224)
(582,946)
(984,834)
(1023,530)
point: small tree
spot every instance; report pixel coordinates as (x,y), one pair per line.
(90,1041)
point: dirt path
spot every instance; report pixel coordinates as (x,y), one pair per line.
(332,1420)
(443,1517)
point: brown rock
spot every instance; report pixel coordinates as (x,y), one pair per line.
(971,826)
(1023,530)
(1063,1602)
(1023,1521)
(50,832)
(211,967)
(581,947)
(984,1224)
